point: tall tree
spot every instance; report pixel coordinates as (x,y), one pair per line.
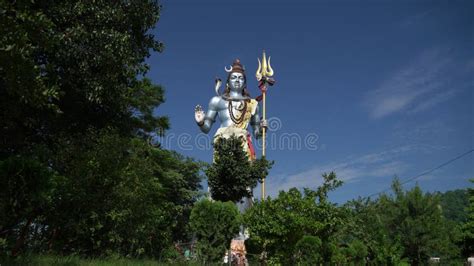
(121,195)
(370,224)
(468,227)
(407,225)
(25,194)
(76,116)
(276,225)
(232,176)
(66,66)
(454,204)
(214,223)
(419,222)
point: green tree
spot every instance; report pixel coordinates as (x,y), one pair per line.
(76,120)
(455,204)
(370,225)
(467,242)
(308,251)
(121,196)
(419,223)
(27,186)
(214,223)
(407,225)
(356,252)
(278,224)
(232,174)
(66,66)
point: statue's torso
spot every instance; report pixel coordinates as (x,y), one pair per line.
(235,116)
(221,105)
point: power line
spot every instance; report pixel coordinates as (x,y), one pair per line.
(427,172)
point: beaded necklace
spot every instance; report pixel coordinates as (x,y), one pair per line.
(240,119)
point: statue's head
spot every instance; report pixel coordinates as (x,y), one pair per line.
(236,80)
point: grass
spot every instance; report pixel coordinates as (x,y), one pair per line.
(51,260)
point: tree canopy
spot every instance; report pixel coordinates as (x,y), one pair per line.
(454,204)
(214,224)
(67,66)
(232,176)
(277,225)
(467,237)
(406,226)
(80,172)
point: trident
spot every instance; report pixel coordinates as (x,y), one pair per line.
(264,76)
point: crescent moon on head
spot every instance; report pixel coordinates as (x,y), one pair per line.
(228,70)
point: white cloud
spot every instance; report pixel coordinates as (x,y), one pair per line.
(433,100)
(425,134)
(416,18)
(416,87)
(381,164)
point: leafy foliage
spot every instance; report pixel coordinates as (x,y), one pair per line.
(66,66)
(308,251)
(467,241)
(115,195)
(26,193)
(129,207)
(356,252)
(403,228)
(278,224)
(214,223)
(454,204)
(408,224)
(370,225)
(232,176)
(80,173)
(419,222)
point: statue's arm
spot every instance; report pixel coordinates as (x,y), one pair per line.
(255,122)
(210,116)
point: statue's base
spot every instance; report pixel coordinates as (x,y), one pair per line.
(238,252)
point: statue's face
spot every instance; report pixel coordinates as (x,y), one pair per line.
(236,81)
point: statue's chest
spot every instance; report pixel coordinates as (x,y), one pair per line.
(232,108)
(237,113)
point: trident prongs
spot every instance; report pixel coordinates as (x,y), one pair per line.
(264,69)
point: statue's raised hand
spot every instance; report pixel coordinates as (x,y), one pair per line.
(199,115)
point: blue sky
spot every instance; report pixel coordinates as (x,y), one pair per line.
(370,89)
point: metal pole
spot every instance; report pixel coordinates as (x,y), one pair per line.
(264,74)
(263,141)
